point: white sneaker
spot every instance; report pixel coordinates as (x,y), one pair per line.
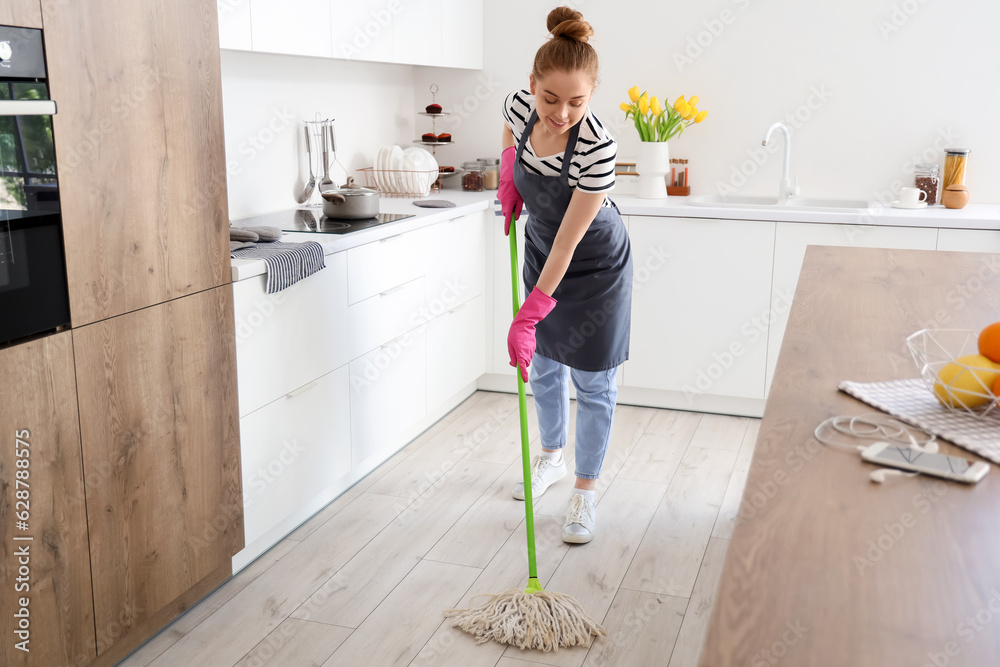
(580,519)
(543,474)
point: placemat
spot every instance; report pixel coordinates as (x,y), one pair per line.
(911,402)
(287,263)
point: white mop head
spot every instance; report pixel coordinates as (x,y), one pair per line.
(543,620)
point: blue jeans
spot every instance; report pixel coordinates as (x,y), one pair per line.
(595,410)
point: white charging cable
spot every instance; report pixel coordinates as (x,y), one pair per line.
(876,426)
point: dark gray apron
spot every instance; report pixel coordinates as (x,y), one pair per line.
(589,328)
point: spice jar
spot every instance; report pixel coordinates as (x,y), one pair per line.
(925,177)
(954,166)
(472,179)
(491,172)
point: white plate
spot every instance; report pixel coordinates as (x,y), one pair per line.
(922,204)
(395,161)
(376,166)
(424,162)
(413,180)
(380,166)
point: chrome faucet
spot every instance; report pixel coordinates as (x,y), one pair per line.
(785,188)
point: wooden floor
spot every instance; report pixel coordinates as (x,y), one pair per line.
(364,581)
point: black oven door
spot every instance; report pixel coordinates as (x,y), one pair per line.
(33,294)
(33,289)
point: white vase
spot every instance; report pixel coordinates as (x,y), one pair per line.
(653,165)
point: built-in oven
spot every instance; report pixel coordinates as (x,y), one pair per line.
(34,296)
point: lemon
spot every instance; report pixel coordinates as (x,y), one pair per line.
(966,382)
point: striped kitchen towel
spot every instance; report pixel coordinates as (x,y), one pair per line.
(287,263)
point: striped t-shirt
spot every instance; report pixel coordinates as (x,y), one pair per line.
(592,168)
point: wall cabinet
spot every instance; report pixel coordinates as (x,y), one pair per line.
(44,560)
(22,13)
(141,157)
(160,443)
(291,26)
(446,33)
(699,287)
(235,25)
(790,244)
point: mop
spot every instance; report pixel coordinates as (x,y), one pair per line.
(533,618)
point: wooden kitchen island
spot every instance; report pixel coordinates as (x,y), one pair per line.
(827,568)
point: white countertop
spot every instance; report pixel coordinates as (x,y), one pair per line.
(465,203)
(973,216)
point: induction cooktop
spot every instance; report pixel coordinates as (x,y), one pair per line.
(309,220)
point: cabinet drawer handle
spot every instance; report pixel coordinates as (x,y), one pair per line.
(301,390)
(458,308)
(392,291)
(386,240)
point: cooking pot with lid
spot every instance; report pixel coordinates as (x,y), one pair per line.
(350,202)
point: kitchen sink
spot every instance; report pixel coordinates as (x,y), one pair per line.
(803,203)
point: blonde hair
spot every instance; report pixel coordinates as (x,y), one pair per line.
(567,50)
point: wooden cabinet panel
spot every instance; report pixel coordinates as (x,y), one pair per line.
(41,483)
(23,13)
(159,415)
(141,156)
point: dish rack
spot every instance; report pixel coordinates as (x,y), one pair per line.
(381,179)
(932,350)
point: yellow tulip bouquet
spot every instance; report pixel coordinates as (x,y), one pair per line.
(655,123)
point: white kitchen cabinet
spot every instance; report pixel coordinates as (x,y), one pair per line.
(462,34)
(362,29)
(388,396)
(791,239)
(234,25)
(387,315)
(293,451)
(290,26)
(455,350)
(969,240)
(287,339)
(417,33)
(455,268)
(445,33)
(698,283)
(383,265)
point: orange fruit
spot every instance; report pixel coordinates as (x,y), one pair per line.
(989,342)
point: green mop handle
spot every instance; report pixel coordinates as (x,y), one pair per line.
(529,513)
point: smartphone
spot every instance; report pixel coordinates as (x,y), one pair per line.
(939,465)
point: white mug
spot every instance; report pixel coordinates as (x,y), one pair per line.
(911,196)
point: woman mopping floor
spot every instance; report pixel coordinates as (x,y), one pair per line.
(578,273)
(578,262)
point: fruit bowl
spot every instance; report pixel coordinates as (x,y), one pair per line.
(958,386)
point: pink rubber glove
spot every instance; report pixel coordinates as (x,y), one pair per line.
(521,337)
(510,199)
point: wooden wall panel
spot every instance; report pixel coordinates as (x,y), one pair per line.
(159,415)
(23,13)
(38,394)
(140,151)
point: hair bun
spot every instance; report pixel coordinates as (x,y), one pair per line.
(569,23)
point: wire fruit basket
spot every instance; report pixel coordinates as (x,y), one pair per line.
(957,386)
(402,182)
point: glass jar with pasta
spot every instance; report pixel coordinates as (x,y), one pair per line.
(955,160)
